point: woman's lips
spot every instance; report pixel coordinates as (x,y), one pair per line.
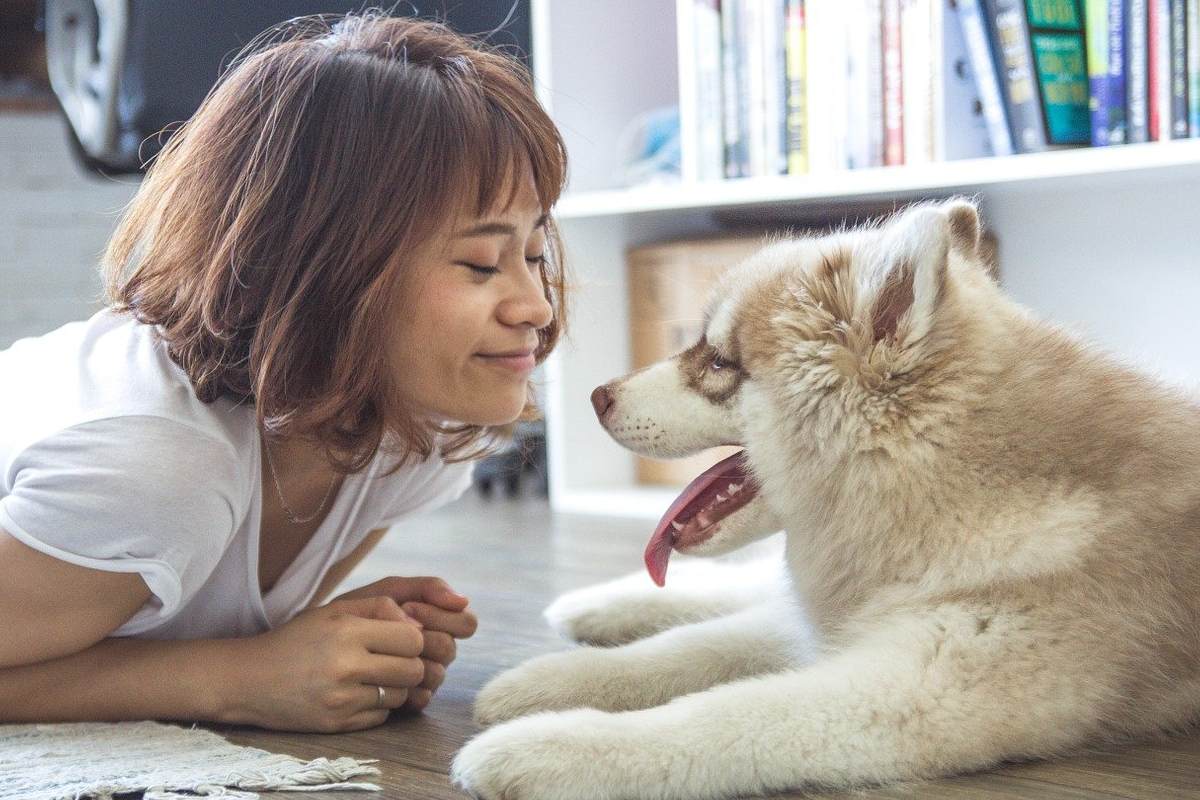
(516,362)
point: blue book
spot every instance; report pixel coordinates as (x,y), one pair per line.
(1116,72)
(1096,23)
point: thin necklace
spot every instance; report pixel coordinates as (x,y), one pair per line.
(291,515)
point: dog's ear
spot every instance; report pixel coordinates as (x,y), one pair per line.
(905,286)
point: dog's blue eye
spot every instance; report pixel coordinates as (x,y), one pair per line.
(718,363)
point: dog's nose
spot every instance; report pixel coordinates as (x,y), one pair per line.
(602,400)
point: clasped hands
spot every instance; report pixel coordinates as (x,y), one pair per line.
(440,613)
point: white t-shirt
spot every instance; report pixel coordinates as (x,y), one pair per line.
(108,460)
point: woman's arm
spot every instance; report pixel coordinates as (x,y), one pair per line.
(122,679)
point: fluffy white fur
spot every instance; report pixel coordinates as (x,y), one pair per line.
(992,546)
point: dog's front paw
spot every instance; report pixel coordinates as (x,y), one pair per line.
(543,757)
(552,682)
(607,614)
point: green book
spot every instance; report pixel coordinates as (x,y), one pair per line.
(1056,35)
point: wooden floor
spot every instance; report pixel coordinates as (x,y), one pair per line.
(512,558)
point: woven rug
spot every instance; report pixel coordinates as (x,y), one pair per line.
(99,759)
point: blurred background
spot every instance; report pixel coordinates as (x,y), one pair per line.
(694,128)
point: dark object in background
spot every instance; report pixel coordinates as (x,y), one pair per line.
(522,459)
(124,71)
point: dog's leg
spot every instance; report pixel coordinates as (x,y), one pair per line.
(767,638)
(925,697)
(632,607)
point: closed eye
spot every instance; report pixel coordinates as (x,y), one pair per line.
(483,269)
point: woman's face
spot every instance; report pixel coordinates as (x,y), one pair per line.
(468,327)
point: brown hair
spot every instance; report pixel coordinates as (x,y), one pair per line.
(269,236)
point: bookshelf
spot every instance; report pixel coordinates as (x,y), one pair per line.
(1105,241)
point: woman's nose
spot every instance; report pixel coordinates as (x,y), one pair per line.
(529,305)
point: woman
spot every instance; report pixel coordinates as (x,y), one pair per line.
(325,301)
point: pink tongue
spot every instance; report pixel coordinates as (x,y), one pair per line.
(658,551)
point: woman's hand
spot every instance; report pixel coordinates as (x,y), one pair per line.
(319,672)
(441,611)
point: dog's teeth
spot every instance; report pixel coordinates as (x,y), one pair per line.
(721,498)
(676,526)
(734,488)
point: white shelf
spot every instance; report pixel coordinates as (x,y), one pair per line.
(968,174)
(1105,240)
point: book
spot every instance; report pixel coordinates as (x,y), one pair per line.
(774,88)
(1179,73)
(864,82)
(893,86)
(1159,69)
(1115,85)
(1096,24)
(826,83)
(1008,32)
(983,69)
(706,19)
(797,91)
(1193,66)
(731,85)
(920,51)
(752,52)
(1056,37)
(1137,87)
(960,126)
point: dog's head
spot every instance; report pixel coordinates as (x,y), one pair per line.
(813,349)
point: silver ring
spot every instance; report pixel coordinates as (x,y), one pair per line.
(379,702)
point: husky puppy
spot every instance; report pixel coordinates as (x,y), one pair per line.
(992,544)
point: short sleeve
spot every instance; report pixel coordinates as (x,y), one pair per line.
(430,486)
(129,494)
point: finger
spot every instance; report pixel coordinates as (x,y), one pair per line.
(439,647)
(460,624)
(434,591)
(392,698)
(417,700)
(435,675)
(365,719)
(391,672)
(379,607)
(389,637)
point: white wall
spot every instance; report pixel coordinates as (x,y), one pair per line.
(55,220)
(1117,260)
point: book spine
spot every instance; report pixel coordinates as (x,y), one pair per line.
(781,88)
(961,130)
(917,78)
(893,85)
(1193,67)
(1116,72)
(1153,24)
(1179,75)
(875,124)
(1096,13)
(983,65)
(753,49)
(797,93)
(858,92)
(1009,34)
(1136,80)
(1056,34)
(1159,72)
(773,77)
(731,86)
(708,102)
(1164,69)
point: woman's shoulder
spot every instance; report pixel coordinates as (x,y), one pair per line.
(108,372)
